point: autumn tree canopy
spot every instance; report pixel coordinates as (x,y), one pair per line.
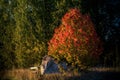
(75,40)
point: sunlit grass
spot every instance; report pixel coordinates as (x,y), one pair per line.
(19,74)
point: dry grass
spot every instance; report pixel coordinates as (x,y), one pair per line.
(20,74)
(90,74)
(26,74)
(61,76)
(104,69)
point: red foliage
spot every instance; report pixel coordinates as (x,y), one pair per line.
(75,39)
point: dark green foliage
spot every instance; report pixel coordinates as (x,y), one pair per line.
(106,17)
(7,55)
(21,34)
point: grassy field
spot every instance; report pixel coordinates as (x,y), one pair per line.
(89,74)
(18,74)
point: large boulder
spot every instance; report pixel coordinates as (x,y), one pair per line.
(49,65)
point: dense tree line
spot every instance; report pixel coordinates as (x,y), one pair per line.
(106,17)
(27,25)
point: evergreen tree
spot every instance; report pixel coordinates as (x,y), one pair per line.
(7,56)
(29,35)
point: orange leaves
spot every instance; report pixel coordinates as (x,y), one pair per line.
(75,37)
(80,30)
(71,17)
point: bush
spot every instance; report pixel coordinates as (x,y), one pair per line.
(75,40)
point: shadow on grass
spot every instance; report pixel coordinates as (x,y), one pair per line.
(87,75)
(96,75)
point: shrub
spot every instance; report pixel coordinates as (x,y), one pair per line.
(75,40)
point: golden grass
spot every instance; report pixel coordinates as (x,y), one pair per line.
(20,74)
(60,76)
(26,74)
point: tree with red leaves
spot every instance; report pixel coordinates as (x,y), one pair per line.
(75,40)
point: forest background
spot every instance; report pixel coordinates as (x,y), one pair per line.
(26,27)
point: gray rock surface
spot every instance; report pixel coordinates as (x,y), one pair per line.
(49,65)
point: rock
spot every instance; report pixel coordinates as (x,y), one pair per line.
(49,65)
(63,65)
